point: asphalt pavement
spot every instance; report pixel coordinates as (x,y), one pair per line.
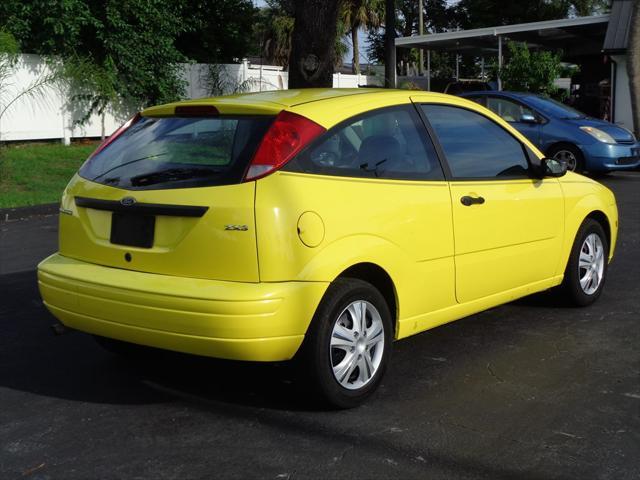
(529,390)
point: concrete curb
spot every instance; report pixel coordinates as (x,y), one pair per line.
(18,213)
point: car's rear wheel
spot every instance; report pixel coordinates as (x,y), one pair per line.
(570,154)
(586,270)
(349,343)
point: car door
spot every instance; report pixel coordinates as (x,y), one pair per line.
(508,225)
(523,118)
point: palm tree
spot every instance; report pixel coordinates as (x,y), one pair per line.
(633,66)
(358,14)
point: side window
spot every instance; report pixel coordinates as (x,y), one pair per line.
(475,146)
(386,143)
(509,110)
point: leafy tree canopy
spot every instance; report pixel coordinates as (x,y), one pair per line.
(219,31)
(129,50)
(527,71)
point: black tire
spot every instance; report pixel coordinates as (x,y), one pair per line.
(556,151)
(316,353)
(571,287)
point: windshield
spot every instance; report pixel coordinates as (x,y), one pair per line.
(176,152)
(553,108)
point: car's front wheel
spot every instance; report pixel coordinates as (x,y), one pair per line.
(349,343)
(586,270)
(570,154)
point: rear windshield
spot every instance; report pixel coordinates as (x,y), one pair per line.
(177,152)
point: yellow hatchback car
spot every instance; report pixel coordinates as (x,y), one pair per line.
(318,224)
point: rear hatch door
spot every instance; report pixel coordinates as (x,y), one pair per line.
(166,196)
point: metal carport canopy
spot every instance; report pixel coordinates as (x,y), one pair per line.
(575,36)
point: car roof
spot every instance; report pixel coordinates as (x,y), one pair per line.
(506,93)
(323,105)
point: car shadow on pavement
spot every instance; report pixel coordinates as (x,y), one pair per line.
(74,366)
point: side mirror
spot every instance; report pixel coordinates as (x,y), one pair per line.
(552,167)
(528,118)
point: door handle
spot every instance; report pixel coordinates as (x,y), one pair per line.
(467,200)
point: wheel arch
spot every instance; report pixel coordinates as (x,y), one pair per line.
(601,217)
(380,279)
(561,143)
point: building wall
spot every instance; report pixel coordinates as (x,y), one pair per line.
(53,113)
(622,97)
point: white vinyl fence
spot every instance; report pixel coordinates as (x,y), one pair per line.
(52,114)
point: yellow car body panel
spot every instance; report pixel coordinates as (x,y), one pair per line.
(182,245)
(362,225)
(251,295)
(511,240)
(244,321)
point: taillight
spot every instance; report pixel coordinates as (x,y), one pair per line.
(105,143)
(288,134)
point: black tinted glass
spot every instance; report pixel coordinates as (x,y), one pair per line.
(177,152)
(387,143)
(475,146)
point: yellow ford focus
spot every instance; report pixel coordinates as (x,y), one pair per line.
(317,224)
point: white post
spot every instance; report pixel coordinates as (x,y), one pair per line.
(429,70)
(421,32)
(499,61)
(245,67)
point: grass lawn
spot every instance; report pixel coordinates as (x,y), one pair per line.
(32,174)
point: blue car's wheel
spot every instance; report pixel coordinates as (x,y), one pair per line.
(570,154)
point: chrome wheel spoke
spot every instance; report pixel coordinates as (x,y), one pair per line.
(585,260)
(365,370)
(345,368)
(356,312)
(374,338)
(342,337)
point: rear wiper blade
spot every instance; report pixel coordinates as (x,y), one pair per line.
(129,163)
(172,174)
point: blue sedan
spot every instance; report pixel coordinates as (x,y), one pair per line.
(564,133)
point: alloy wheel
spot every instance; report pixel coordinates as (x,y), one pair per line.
(357,344)
(568,157)
(591,264)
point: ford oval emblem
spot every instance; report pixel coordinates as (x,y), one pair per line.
(127,201)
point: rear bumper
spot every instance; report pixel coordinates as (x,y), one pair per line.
(607,157)
(232,320)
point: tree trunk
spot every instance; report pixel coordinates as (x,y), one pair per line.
(313,43)
(390,44)
(633,66)
(355,66)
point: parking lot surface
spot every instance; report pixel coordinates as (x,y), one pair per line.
(529,390)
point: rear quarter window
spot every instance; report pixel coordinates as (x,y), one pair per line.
(387,143)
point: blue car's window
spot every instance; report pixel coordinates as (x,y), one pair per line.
(508,110)
(553,108)
(476,147)
(386,143)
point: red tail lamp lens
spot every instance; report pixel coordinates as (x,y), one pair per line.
(105,143)
(288,134)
